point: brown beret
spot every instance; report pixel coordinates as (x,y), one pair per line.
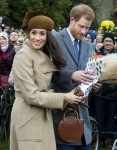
(35,19)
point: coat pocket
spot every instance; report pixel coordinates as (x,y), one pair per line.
(31,127)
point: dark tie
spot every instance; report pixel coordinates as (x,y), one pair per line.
(76,47)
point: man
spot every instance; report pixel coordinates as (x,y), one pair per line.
(106,100)
(74,73)
(13,37)
(108,42)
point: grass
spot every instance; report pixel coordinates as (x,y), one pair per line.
(5,146)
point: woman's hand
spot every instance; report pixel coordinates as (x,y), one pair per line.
(75,97)
(71,98)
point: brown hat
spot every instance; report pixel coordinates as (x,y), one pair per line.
(35,19)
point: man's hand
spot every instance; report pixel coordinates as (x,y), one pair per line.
(97,86)
(83,76)
(98,46)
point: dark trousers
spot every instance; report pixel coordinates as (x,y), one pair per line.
(105,112)
(73,147)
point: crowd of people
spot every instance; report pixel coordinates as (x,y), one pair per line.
(103,104)
(11,41)
(47,61)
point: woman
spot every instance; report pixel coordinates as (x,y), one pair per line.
(34,64)
(6,58)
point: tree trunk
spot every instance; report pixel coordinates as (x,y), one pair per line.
(103,9)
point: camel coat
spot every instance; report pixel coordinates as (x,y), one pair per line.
(31,121)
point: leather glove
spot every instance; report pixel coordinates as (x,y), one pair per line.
(77,91)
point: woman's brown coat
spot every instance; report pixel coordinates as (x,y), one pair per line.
(31,121)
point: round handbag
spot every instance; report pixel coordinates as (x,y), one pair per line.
(71,128)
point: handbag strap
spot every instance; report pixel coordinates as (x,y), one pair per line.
(70,110)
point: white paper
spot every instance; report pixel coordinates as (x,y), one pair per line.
(97,66)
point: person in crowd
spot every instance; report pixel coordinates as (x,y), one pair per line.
(7,30)
(19,43)
(74,73)
(21,33)
(13,37)
(100,31)
(12,29)
(33,66)
(6,58)
(98,46)
(98,43)
(90,36)
(115,47)
(2,25)
(99,38)
(106,99)
(1,19)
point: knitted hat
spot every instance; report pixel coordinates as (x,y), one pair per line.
(5,35)
(35,19)
(108,35)
(92,34)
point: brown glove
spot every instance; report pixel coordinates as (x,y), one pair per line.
(77,91)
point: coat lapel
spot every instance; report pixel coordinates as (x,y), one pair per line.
(69,45)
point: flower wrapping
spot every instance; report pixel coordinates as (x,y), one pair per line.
(104,70)
(95,63)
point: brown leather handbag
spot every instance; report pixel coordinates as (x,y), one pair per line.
(70,128)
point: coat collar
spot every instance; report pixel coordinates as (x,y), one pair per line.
(44,62)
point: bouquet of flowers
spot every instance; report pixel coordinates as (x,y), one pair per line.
(104,70)
(95,63)
(107,26)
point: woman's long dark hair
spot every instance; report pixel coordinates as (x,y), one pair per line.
(53,48)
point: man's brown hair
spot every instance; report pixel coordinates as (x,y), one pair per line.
(81,10)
